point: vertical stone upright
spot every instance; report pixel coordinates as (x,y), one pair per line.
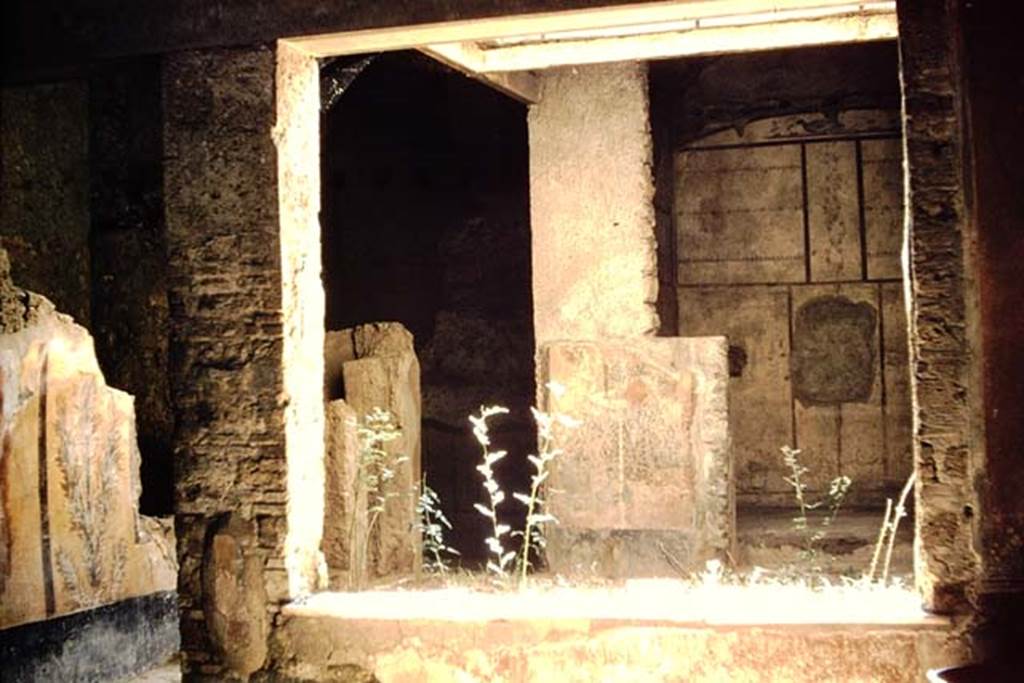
(375,366)
(240,186)
(647,480)
(345,502)
(943,313)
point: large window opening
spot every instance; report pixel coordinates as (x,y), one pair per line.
(772,192)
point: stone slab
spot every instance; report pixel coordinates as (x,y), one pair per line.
(71,537)
(652,443)
(341,508)
(754,319)
(339,347)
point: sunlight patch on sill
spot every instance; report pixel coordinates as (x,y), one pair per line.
(645,601)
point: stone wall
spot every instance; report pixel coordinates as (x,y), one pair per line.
(44,215)
(129,257)
(592,216)
(82,217)
(944,354)
(779,176)
(248,492)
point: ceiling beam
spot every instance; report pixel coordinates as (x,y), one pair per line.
(700,41)
(468,58)
(538,24)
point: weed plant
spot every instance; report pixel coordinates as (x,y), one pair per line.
(537,518)
(500,556)
(376,468)
(432,524)
(813,534)
(887,534)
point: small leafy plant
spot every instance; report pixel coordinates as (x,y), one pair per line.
(432,523)
(501,557)
(536,517)
(832,502)
(376,468)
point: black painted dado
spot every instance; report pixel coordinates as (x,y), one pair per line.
(102,644)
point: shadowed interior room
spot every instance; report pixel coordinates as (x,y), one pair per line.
(567,340)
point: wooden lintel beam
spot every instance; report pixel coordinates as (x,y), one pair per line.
(471,30)
(700,41)
(468,58)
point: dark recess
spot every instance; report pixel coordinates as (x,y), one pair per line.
(426,222)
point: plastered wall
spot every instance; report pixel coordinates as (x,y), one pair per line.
(591,210)
(788,242)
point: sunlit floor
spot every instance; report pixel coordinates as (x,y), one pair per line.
(771,583)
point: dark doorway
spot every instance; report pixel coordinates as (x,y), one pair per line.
(425,213)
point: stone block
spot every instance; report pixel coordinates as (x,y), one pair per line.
(339,347)
(71,537)
(651,457)
(234,597)
(344,507)
(379,369)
